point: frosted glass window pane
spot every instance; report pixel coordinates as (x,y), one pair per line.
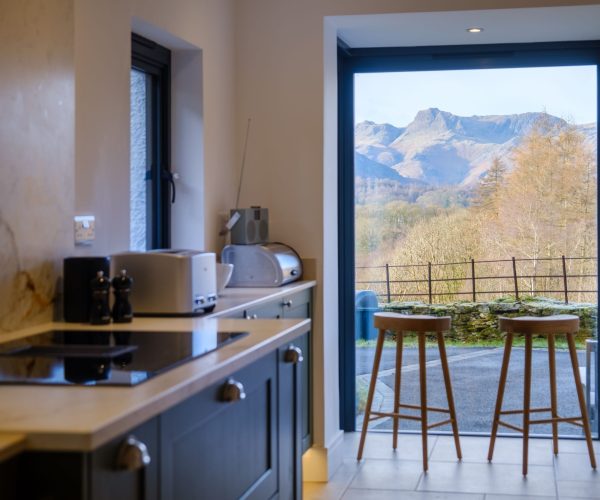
(139,162)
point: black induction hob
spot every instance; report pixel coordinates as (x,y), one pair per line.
(100,358)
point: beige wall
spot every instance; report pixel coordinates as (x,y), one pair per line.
(102,66)
(64,137)
(209,26)
(201,37)
(36,155)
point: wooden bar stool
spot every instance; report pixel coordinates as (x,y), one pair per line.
(549,326)
(400,323)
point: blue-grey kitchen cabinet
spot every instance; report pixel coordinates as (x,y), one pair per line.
(294,305)
(239,438)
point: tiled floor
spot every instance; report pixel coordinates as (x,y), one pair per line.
(385,475)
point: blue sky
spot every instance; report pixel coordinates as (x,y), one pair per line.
(567,92)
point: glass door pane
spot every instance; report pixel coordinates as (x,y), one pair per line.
(475,197)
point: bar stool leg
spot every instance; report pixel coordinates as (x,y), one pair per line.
(553,398)
(376,360)
(500,396)
(526,401)
(423,381)
(397,384)
(449,395)
(581,397)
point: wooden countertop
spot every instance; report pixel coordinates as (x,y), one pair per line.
(82,418)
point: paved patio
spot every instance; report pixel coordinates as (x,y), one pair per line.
(475,372)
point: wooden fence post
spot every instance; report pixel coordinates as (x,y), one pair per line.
(429,280)
(515,278)
(473,278)
(564,265)
(387,282)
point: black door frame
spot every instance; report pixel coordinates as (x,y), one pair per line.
(398,59)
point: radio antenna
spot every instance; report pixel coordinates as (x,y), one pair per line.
(236,215)
(237,200)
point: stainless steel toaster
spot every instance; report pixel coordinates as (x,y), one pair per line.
(169,282)
(268,265)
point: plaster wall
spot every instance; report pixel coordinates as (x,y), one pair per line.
(64,137)
(200,36)
(36,155)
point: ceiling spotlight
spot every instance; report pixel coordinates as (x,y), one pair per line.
(474,30)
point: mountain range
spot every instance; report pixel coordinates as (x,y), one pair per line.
(439,148)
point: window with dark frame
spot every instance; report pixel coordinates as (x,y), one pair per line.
(151,182)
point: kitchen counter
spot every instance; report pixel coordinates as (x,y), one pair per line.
(79,418)
(238,299)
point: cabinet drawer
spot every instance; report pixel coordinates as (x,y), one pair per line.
(297,305)
(225,450)
(271,310)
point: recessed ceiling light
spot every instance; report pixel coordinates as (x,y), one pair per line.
(474,30)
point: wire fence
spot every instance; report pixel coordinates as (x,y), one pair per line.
(567,278)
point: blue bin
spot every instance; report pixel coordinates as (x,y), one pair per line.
(365,306)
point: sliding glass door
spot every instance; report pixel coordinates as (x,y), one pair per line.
(468,187)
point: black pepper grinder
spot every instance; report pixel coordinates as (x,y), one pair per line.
(121,312)
(100,312)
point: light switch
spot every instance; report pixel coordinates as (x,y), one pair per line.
(85,229)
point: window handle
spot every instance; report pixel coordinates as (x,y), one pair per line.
(170,177)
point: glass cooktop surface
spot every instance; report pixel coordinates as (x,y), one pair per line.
(93,357)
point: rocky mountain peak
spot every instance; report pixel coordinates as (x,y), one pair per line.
(441,148)
(368,132)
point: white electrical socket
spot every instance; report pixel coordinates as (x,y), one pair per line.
(85,229)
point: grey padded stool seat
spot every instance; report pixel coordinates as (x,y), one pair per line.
(400,323)
(549,326)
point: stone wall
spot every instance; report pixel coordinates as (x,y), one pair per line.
(478,321)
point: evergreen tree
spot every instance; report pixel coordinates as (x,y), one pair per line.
(486,193)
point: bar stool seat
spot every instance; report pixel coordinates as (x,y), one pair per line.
(550,326)
(401,323)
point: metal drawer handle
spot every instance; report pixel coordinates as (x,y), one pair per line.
(133,455)
(293,354)
(287,303)
(233,391)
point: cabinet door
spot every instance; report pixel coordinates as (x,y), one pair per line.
(303,343)
(211,448)
(298,305)
(118,469)
(290,421)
